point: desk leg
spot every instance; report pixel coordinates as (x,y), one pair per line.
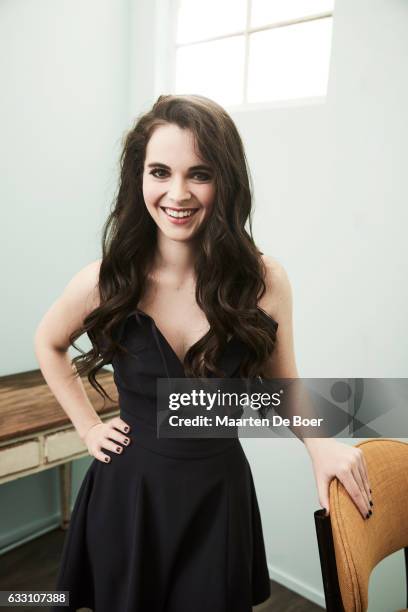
(65,478)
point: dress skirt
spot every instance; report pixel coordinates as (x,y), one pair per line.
(166,530)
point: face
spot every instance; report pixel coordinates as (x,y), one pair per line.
(178,186)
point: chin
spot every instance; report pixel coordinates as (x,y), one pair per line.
(179,233)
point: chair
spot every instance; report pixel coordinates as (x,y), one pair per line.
(351,546)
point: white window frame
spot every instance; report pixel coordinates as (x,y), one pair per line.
(166,30)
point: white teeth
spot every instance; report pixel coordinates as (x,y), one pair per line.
(175,213)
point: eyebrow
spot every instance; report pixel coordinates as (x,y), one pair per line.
(158,164)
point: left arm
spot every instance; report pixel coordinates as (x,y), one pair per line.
(330,458)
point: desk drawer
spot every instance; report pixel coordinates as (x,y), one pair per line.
(62,444)
(18,457)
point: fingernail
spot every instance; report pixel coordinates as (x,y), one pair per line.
(126,429)
(118,449)
(370,512)
(126,440)
(371,503)
(106,459)
(367,515)
(370,491)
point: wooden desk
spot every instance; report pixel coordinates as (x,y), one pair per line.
(36,434)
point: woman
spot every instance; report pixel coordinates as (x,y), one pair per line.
(181,290)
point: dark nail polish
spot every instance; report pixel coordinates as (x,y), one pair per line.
(118,449)
(367,515)
(371,503)
(370,491)
(370,512)
(106,459)
(126,440)
(126,429)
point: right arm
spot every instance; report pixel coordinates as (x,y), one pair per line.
(51,343)
(330,458)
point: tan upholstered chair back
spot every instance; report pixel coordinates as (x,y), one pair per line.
(360,544)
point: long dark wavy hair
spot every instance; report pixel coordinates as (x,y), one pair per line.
(229,269)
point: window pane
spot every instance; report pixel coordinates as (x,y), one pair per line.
(197,19)
(290,62)
(271,11)
(214,69)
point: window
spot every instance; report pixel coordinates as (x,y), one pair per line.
(241,52)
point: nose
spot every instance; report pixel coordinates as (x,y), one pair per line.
(177,191)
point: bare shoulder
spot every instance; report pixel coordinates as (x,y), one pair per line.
(277,302)
(278,294)
(79,297)
(84,286)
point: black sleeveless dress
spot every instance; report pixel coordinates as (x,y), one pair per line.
(168,525)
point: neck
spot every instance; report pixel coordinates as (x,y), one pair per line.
(174,260)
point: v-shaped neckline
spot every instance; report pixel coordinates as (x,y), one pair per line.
(169,346)
(167,343)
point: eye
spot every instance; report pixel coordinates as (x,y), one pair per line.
(157,170)
(205,177)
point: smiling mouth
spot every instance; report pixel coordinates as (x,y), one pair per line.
(179,213)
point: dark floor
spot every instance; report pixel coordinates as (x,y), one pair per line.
(33,566)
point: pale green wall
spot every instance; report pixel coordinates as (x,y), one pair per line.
(331,199)
(64,72)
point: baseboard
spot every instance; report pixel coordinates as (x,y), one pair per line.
(28,532)
(299,587)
